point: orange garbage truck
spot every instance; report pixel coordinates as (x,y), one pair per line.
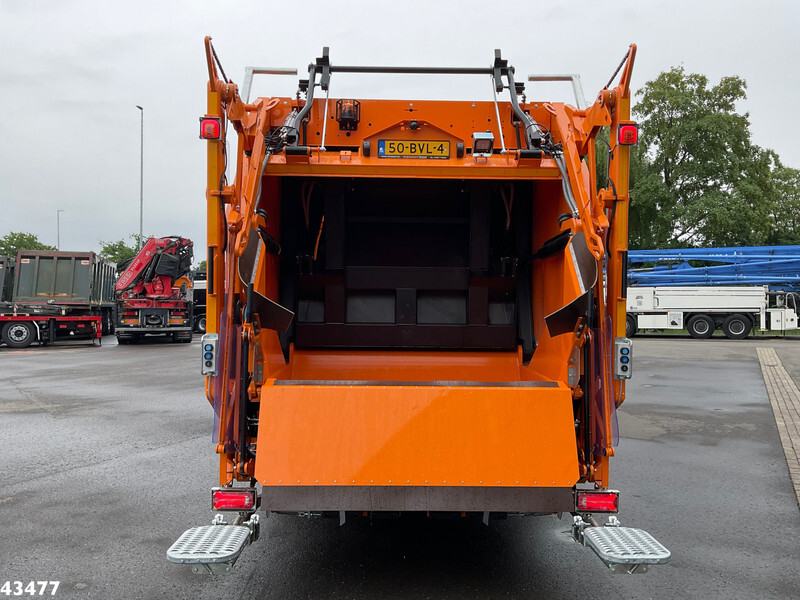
(415,306)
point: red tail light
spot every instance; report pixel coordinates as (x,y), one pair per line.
(233,499)
(210,128)
(628,134)
(597,501)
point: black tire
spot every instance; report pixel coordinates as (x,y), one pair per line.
(106,323)
(201,325)
(701,327)
(630,326)
(737,327)
(19,334)
(124,339)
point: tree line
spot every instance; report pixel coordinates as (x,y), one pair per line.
(117,251)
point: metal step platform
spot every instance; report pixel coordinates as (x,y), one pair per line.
(622,549)
(210,548)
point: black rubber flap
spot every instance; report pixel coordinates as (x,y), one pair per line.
(271,314)
(582,260)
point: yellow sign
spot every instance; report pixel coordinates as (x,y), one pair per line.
(413,149)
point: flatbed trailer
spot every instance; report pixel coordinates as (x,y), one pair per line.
(406,309)
(20,326)
(53,295)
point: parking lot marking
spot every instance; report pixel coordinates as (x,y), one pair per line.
(785,399)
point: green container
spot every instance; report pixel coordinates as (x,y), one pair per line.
(6,278)
(67,278)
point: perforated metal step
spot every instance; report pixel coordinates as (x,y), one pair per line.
(209,544)
(625,546)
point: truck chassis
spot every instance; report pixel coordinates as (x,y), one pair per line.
(19,329)
(736,310)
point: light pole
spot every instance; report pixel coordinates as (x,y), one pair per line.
(141,178)
(58,228)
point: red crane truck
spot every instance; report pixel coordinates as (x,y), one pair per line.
(154,292)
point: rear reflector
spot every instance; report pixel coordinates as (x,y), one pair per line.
(210,128)
(233,499)
(628,134)
(600,501)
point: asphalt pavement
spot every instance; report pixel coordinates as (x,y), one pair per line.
(107,458)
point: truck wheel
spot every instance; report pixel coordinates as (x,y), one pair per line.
(108,323)
(737,327)
(201,325)
(701,327)
(19,335)
(630,326)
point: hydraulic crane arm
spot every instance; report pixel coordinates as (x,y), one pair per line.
(154,270)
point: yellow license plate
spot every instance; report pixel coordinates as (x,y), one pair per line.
(413,149)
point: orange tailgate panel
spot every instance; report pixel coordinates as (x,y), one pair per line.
(408,435)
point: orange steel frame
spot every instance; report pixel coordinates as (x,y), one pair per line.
(499,433)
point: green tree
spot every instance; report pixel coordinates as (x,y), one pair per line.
(119,251)
(14,241)
(201,266)
(784,217)
(697,179)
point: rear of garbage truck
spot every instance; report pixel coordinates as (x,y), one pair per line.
(415,305)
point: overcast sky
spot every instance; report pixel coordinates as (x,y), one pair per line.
(73,72)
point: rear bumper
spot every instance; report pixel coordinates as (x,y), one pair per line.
(417,498)
(455,446)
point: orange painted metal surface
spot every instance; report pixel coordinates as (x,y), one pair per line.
(405,366)
(384,433)
(392,435)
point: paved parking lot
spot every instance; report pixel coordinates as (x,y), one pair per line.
(106,458)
